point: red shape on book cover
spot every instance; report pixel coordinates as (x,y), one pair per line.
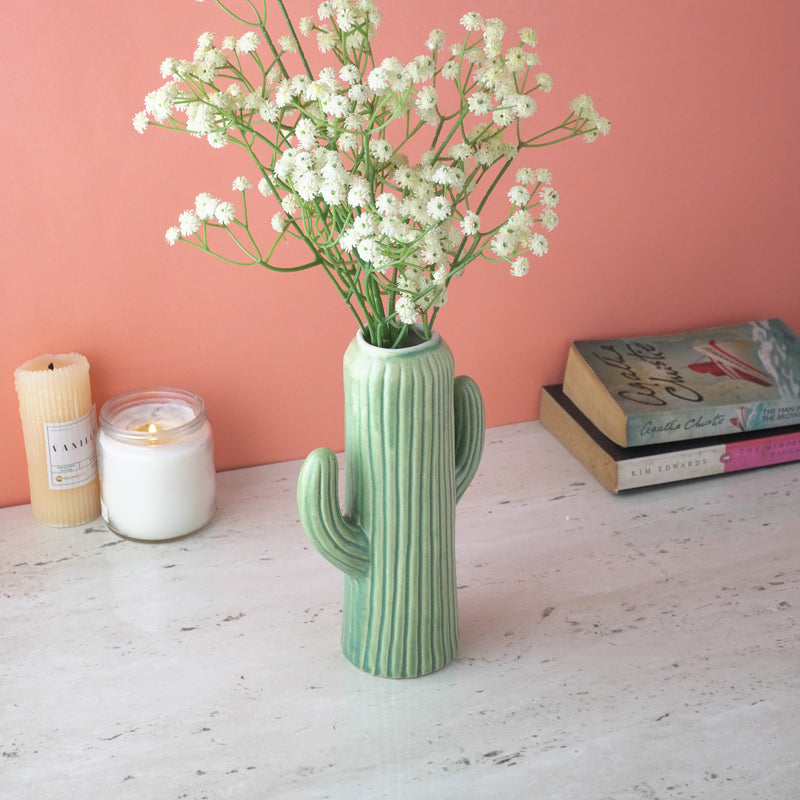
(723,361)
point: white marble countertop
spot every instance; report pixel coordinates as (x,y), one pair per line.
(635,647)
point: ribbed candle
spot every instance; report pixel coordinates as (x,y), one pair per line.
(59,424)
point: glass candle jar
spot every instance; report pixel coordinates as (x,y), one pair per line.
(155,458)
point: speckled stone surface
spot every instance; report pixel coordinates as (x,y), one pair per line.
(637,647)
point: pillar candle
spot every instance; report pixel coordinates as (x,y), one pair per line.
(59,425)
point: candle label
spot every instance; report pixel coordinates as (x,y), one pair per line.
(71,452)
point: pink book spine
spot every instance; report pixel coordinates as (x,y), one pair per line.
(762,452)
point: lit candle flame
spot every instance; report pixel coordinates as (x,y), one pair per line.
(152,428)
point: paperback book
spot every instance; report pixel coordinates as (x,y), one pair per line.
(712,382)
(620,468)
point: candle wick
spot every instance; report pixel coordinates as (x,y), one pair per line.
(50,365)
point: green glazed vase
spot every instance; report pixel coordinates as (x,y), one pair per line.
(413,440)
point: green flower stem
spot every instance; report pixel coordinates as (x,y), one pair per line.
(453,130)
(564,126)
(276,55)
(494,183)
(345,295)
(203,245)
(259,17)
(300,51)
(254,259)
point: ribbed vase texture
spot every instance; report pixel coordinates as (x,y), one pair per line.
(403,479)
(400,617)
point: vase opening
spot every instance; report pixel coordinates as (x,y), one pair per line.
(414,338)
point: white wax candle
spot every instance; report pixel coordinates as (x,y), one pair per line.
(59,425)
(156,463)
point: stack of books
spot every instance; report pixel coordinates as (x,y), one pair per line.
(657,409)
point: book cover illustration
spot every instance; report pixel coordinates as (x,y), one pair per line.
(717,381)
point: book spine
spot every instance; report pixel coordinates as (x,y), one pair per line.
(724,420)
(636,473)
(702,462)
(778,449)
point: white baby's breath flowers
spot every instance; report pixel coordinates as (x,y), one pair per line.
(290,204)
(358,193)
(549,197)
(602,128)
(326,40)
(426,98)
(451,70)
(160,103)
(377,80)
(480,103)
(140,121)
(218,139)
(470,223)
(472,21)
(519,267)
(503,117)
(204,42)
(538,245)
(503,244)
(189,223)
(380,149)
(388,205)
(349,74)
(519,195)
(407,312)
(524,106)
(346,18)
(205,205)
(248,43)
(382,167)
(225,213)
(525,176)
(439,208)
(549,219)
(169,67)
(436,38)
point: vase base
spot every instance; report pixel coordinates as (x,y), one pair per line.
(400,668)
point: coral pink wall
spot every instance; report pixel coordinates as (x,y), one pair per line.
(685,216)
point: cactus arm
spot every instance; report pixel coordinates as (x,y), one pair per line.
(469,428)
(343,543)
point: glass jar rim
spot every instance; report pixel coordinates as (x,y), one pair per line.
(152,396)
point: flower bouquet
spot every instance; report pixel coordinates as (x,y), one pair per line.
(383,169)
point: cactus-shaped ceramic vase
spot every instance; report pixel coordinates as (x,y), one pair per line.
(413,440)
